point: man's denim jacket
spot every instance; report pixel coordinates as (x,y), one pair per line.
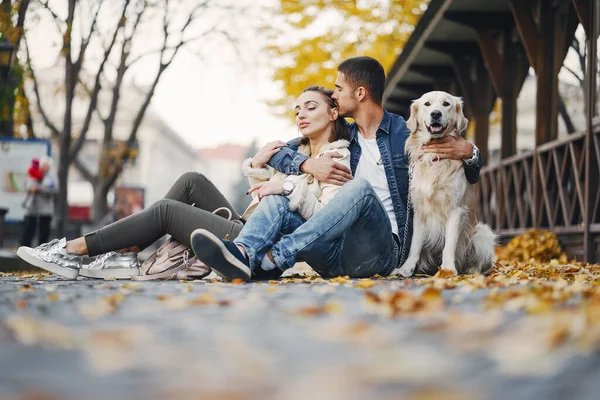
(391,136)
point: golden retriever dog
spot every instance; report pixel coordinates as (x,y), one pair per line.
(446,233)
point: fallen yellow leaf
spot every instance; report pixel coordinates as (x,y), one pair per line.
(444,273)
(340,279)
(26,288)
(365,284)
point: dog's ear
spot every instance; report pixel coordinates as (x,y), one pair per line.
(413,120)
(461,121)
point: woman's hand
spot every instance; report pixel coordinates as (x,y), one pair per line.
(264,155)
(266,188)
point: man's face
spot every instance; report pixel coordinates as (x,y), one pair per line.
(344,96)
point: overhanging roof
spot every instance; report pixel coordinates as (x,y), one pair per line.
(423,55)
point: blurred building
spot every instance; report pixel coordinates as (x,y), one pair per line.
(223,166)
(163,154)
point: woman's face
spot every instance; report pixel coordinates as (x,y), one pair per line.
(313,115)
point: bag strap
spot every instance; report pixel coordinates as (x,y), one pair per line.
(149,262)
(229,213)
(168,274)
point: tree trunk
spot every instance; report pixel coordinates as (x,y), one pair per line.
(62,206)
(100,205)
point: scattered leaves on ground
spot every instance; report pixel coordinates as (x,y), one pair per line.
(532,305)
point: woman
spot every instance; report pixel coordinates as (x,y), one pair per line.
(276,194)
(188,205)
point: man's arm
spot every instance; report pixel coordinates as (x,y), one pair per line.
(472,166)
(457,148)
(324,169)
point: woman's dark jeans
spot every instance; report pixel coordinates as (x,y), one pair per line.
(188,205)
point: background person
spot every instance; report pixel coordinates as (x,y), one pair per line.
(41,191)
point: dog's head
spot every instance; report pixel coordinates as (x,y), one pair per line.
(438,113)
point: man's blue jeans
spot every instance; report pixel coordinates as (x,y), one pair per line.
(351,236)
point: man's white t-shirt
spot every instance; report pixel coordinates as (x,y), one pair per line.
(370,167)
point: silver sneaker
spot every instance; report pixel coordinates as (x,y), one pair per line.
(53,257)
(112,265)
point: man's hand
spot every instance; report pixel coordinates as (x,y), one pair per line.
(264,155)
(450,147)
(266,188)
(326,170)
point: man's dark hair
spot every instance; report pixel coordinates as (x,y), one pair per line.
(366,72)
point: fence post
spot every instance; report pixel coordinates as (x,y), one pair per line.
(591,173)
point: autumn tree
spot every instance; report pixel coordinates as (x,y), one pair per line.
(329,32)
(14,107)
(101,42)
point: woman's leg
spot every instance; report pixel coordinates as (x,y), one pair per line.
(190,188)
(195,189)
(163,217)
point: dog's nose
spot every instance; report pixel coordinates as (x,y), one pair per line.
(436,114)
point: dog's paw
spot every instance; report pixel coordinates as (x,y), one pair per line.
(448,269)
(406,271)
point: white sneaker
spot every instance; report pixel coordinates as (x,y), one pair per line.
(53,257)
(112,265)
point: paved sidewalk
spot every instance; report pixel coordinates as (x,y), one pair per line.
(291,339)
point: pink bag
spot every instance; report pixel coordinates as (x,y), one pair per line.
(174,260)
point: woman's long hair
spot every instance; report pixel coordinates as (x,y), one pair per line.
(340,129)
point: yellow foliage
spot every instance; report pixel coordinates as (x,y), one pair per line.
(329,32)
(533,246)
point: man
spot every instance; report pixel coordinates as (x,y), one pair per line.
(366,229)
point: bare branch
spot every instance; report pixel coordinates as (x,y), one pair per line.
(57,20)
(109,122)
(97,86)
(564,113)
(232,41)
(71,76)
(169,48)
(575,74)
(55,132)
(86,40)
(21,20)
(84,171)
(116,92)
(576,46)
(135,127)
(191,17)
